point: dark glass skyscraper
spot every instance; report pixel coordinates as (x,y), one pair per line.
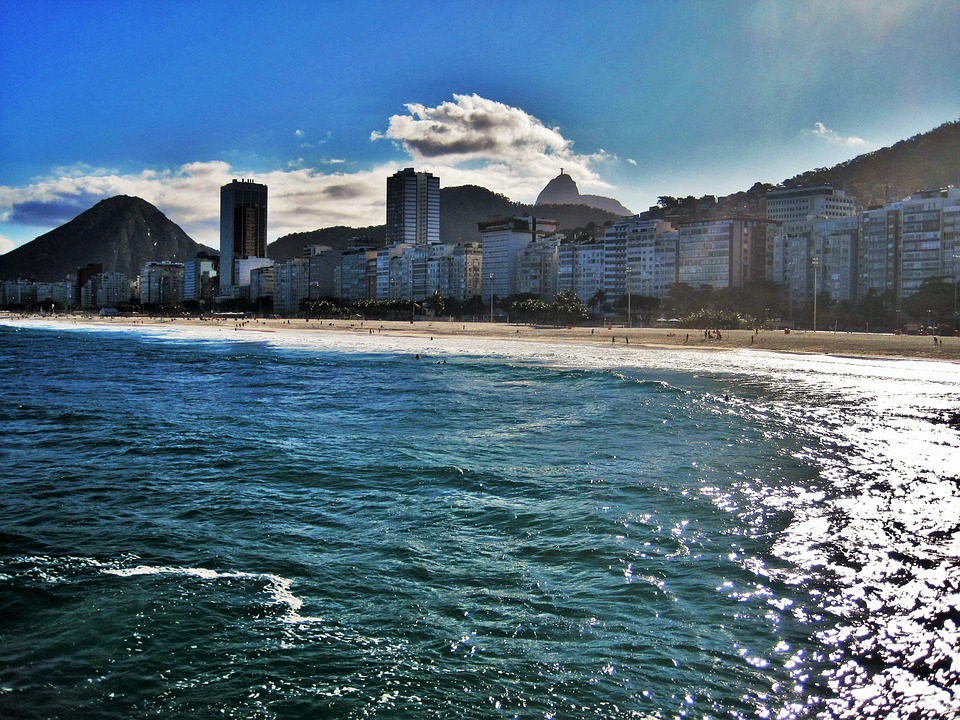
(243,225)
(413,208)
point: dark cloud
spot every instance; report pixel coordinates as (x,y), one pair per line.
(437,147)
(343,192)
(37,213)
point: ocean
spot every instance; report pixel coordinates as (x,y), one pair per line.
(197,523)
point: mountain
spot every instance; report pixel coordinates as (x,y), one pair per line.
(291,246)
(926,161)
(122,233)
(462,207)
(563,190)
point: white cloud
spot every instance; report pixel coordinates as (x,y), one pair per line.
(476,140)
(6,245)
(632,161)
(300,199)
(821,132)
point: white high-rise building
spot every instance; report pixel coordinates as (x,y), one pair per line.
(723,253)
(806,204)
(929,222)
(797,241)
(537,268)
(291,284)
(413,208)
(161,284)
(580,268)
(633,255)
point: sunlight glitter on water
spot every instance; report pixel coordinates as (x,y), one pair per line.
(861,515)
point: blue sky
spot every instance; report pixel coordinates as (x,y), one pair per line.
(322,100)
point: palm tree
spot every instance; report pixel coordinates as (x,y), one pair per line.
(436,303)
(599,298)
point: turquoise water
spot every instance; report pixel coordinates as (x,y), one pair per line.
(200,525)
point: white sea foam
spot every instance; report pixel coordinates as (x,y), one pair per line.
(277,588)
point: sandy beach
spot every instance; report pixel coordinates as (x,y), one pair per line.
(820,342)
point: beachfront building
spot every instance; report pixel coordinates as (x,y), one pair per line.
(355,277)
(62,293)
(502,242)
(630,259)
(664,263)
(200,282)
(823,255)
(536,272)
(18,293)
(878,250)
(798,240)
(413,208)
(26,293)
(465,271)
(322,261)
(394,272)
(904,243)
(161,284)
(447,269)
(243,229)
(580,268)
(805,204)
(291,285)
(83,275)
(242,269)
(429,269)
(929,224)
(260,286)
(729,252)
(108,289)
(835,245)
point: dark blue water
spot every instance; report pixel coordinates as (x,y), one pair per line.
(198,526)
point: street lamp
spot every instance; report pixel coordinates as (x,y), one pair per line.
(816,266)
(955,258)
(629,273)
(491,297)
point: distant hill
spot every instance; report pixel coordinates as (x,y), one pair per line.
(291,246)
(122,233)
(563,190)
(461,208)
(926,161)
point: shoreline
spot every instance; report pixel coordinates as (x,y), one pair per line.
(838,344)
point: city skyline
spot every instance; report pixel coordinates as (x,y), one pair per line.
(634,100)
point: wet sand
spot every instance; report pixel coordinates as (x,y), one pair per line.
(821,342)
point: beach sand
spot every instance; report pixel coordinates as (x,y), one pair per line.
(820,342)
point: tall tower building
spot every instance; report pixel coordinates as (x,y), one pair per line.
(243,226)
(413,208)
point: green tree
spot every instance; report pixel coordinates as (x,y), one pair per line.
(598,300)
(436,303)
(932,303)
(529,310)
(569,309)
